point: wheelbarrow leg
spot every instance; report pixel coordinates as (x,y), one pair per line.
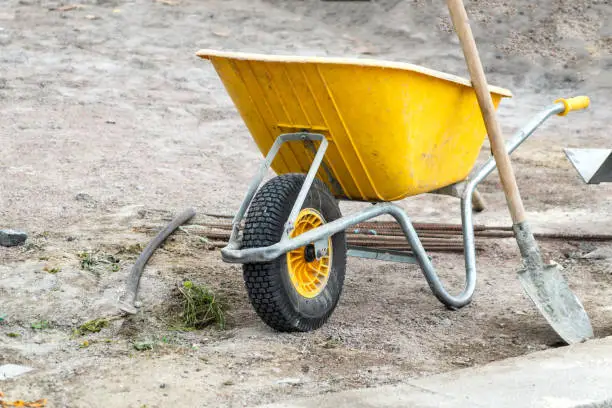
(456,190)
(478,203)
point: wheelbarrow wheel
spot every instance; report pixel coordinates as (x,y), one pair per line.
(296,291)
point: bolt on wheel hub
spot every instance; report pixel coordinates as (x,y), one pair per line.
(308,274)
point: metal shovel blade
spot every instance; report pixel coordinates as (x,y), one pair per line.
(551,294)
(593,165)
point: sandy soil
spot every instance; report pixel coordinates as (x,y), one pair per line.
(110,125)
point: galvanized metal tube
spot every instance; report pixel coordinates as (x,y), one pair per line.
(312,172)
(253,186)
(454,302)
(263,168)
(516,140)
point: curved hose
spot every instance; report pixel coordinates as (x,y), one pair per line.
(127,303)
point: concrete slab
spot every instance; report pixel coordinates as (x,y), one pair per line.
(573,376)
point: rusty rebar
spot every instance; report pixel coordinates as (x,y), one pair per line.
(388,234)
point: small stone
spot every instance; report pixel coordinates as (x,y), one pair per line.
(422,37)
(289,381)
(520,312)
(87,200)
(162,385)
(221,33)
(463,362)
(83,197)
(9,238)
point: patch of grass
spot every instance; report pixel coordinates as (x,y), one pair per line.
(92,326)
(201,307)
(156,343)
(88,260)
(13,335)
(134,249)
(51,270)
(94,260)
(331,343)
(34,244)
(41,325)
(95,325)
(143,345)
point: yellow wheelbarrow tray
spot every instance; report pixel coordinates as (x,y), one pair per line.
(357,130)
(395,129)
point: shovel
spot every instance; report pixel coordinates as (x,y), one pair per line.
(544,284)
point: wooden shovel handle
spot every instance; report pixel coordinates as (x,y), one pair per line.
(479,82)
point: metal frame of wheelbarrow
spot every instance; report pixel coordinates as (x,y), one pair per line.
(233,253)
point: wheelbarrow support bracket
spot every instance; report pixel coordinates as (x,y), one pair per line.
(234,241)
(234,254)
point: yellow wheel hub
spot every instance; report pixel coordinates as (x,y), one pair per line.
(308,274)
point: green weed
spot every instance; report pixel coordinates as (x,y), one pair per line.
(41,325)
(201,307)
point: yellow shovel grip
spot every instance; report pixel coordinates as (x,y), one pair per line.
(575,103)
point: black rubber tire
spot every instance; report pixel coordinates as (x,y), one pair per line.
(270,290)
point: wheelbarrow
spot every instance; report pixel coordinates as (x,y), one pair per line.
(348,129)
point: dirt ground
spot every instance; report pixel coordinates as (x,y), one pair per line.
(110,125)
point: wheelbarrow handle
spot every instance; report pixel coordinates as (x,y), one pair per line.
(574,104)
